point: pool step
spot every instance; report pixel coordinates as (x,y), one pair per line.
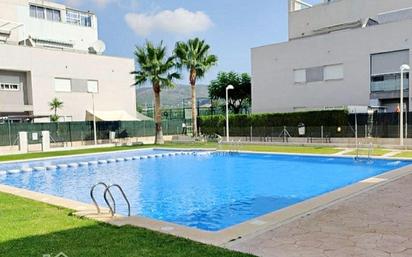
(100,162)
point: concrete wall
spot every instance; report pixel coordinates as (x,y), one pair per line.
(18,11)
(303,22)
(112,73)
(274,89)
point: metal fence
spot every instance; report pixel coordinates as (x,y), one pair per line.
(377,125)
(183,113)
(186,113)
(83,131)
(381,126)
(277,133)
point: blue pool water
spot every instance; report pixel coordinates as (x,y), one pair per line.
(208,191)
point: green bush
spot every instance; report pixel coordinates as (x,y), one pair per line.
(214,124)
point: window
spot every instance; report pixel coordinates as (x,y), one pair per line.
(62,85)
(321,73)
(86,21)
(314,74)
(33,11)
(73,17)
(36,11)
(92,86)
(53,15)
(45,13)
(333,72)
(79,18)
(389,62)
(385,71)
(300,76)
(9,87)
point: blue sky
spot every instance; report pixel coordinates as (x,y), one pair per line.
(231,27)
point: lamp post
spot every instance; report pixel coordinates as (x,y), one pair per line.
(229,87)
(404,68)
(94,119)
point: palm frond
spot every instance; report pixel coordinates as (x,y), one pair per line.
(154,65)
(194,54)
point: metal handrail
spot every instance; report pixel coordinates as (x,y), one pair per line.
(236,146)
(52,139)
(370,150)
(113,211)
(94,199)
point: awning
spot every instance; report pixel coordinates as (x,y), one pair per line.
(110,116)
(141,117)
(6,27)
(114,116)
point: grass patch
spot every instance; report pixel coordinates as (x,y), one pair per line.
(261,148)
(287,149)
(406,154)
(17,157)
(29,228)
(375,152)
(189,145)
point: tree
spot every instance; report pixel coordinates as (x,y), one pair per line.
(240,97)
(55,104)
(194,56)
(158,69)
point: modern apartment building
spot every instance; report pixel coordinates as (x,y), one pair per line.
(48,50)
(340,53)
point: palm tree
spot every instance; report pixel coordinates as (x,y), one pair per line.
(55,104)
(158,69)
(194,56)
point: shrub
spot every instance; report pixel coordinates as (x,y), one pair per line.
(214,124)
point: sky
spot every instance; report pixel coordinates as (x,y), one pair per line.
(230,27)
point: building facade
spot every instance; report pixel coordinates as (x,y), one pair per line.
(47,51)
(340,53)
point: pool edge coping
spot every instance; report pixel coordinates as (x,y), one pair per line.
(233,234)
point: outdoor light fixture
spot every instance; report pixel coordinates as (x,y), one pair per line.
(229,87)
(404,68)
(94,119)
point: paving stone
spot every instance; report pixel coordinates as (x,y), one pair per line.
(377,223)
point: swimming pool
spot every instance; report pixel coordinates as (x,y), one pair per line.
(205,190)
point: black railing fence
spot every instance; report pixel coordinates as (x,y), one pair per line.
(83,131)
(379,125)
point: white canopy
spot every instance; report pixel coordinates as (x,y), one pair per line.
(114,116)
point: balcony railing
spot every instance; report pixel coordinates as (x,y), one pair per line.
(388,85)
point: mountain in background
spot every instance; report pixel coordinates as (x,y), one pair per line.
(171,97)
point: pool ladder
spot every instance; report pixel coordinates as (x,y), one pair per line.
(106,193)
(370,149)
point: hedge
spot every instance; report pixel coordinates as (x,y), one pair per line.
(215,124)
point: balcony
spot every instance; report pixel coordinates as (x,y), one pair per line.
(390,82)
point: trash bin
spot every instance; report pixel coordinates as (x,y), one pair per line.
(301,129)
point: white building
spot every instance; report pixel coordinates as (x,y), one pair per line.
(48,50)
(340,53)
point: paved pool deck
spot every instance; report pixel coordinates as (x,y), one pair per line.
(376,223)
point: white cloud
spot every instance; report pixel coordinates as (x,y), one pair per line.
(100,3)
(179,21)
(73,2)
